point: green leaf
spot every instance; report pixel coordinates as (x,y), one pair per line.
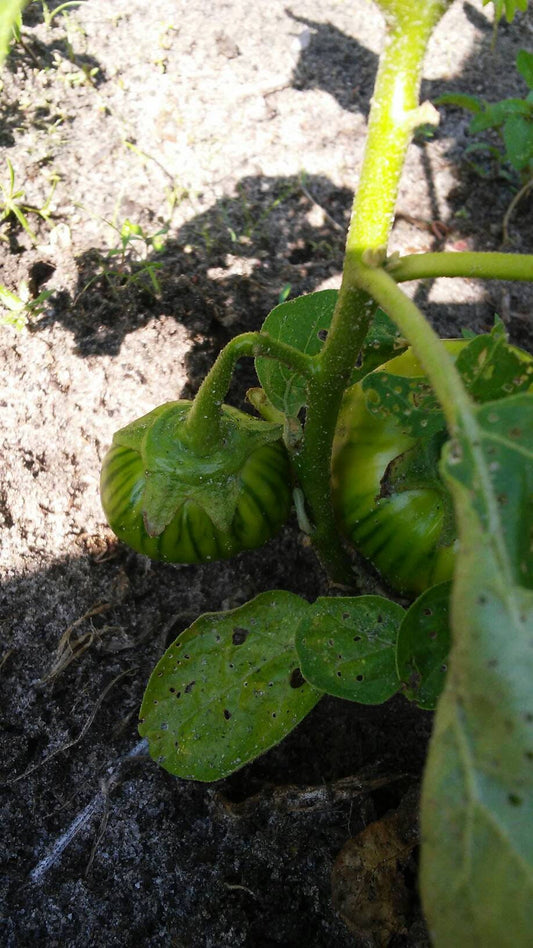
(347,647)
(410,402)
(302,323)
(423,646)
(524,64)
(507,7)
(383,342)
(477,830)
(472,103)
(495,114)
(518,139)
(10,12)
(228,689)
(492,369)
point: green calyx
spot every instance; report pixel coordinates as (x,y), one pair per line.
(175,471)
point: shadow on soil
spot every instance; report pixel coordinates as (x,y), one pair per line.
(158,860)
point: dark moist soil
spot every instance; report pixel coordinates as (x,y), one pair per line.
(234,128)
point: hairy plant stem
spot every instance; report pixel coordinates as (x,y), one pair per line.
(473,264)
(394,115)
(204,419)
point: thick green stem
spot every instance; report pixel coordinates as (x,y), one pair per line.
(204,419)
(473,264)
(394,115)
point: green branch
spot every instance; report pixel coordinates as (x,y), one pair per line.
(470,264)
(203,420)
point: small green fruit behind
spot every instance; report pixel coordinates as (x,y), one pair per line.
(263,506)
(400,533)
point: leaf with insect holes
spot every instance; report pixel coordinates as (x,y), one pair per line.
(490,369)
(477,831)
(423,646)
(347,647)
(304,323)
(228,689)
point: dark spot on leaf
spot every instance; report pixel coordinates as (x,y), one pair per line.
(515,432)
(322,334)
(481,600)
(189,687)
(528,755)
(187,657)
(227,714)
(239,636)
(359,677)
(433,634)
(273,714)
(428,612)
(346,616)
(492,663)
(528,717)
(339,674)
(160,674)
(443,668)
(514,799)
(172,691)
(379,618)
(164,726)
(357,638)
(297,679)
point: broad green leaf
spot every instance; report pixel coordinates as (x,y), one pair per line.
(409,401)
(302,323)
(227,689)
(492,369)
(477,826)
(524,64)
(347,647)
(10,11)
(423,646)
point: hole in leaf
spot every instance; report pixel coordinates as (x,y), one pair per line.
(443,668)
(322,334)
(189,687)
(227,714)
(359,677)
(339,674)
(239,636)
(297,679)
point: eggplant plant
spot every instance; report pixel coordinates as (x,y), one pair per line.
(419,453)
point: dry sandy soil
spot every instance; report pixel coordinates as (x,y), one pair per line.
(236,129)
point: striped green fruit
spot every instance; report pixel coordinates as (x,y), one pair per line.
(258,484)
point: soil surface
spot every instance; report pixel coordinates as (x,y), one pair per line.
(229,133)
